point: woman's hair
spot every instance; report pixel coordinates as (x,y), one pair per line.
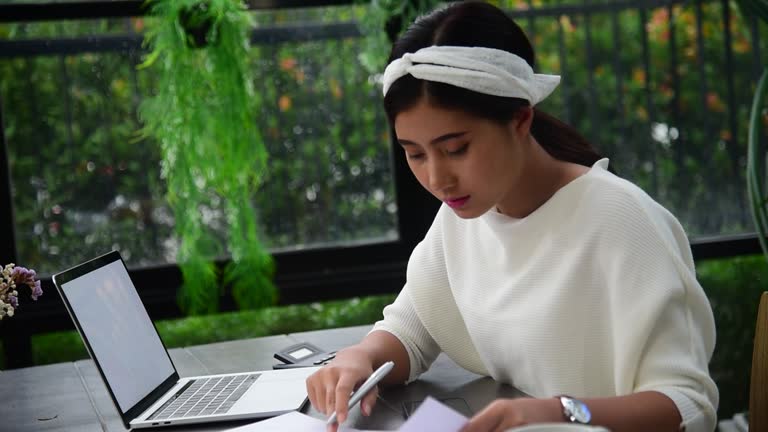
(479,24)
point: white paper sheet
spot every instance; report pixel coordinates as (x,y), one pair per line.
(431,416)
(293,422)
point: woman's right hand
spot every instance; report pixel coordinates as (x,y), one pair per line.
(330,387)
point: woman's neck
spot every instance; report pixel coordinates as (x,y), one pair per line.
(542,177)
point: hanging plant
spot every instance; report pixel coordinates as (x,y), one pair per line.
(203,117)
(383,21)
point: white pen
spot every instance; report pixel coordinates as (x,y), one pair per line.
(363,390)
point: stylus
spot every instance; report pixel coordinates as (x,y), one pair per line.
(363,390)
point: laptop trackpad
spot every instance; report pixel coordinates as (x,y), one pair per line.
(277,391)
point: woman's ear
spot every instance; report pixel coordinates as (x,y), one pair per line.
(521,123)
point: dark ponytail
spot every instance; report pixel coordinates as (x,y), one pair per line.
(470,24)
(562,141)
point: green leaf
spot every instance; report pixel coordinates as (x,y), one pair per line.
(754,169)
(758,8)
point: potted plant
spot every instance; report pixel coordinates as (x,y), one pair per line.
(203,117)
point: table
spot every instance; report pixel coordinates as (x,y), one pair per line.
(72,396)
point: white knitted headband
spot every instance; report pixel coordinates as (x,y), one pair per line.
(483,70)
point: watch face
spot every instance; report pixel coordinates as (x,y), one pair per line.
(575,410)
(581,412)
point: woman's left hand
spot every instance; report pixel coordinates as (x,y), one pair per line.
(503,414)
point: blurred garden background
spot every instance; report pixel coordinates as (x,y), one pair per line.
(663,88)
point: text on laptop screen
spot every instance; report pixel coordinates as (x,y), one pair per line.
(120,332)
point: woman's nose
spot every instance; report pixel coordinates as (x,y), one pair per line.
(440,176)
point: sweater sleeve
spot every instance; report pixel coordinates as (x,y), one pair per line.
(663,323)
(401,320)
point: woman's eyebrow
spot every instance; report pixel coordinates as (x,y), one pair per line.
(437,140)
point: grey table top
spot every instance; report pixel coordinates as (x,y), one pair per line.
(72,396)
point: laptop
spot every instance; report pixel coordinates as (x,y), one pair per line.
(137,370)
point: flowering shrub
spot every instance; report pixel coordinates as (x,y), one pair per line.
(9,296)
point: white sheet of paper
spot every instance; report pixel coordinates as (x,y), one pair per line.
(433,416)
(430,416)
(293,421)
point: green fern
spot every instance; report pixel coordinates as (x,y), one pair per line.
(376,43)
(203,117)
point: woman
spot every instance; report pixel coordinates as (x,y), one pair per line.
(543,269)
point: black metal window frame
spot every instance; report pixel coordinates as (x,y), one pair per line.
(302,276)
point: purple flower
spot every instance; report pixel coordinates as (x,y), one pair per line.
(37,291)
(25,276)
(14,301)
(22,275)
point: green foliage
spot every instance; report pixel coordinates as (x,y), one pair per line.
(668,127)
(756,170)
(734,287)
(383,14)
(758,8)
(203,118)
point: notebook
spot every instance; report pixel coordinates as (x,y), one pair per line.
(137,370)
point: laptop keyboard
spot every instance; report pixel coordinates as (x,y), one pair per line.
(205,396)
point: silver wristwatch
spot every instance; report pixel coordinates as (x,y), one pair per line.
(574,410)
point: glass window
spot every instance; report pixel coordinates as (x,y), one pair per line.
(83,183)
(674,120)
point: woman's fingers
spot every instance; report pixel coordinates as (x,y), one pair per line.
(490,419)
(319,385)
(366,405)
(315,390)
(333,427)
(330,382)
(311,390)
(343,389)
(330,400)
(330,387)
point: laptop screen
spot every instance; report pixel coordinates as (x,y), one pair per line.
(118,329)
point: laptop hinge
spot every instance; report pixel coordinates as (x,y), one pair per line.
(151,398)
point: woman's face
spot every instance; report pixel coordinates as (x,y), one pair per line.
(470,163)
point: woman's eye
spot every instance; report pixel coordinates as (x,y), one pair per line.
(416,156)
(459,151)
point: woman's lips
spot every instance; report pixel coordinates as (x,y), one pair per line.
(457,202)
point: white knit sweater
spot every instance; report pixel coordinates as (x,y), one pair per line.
(593,295)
